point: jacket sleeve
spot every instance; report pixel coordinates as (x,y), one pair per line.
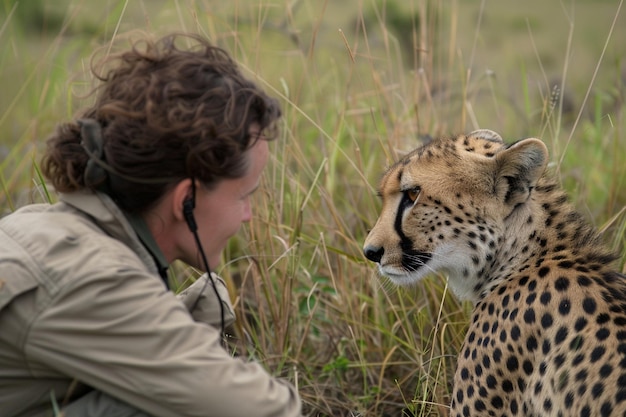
(120,331)
(200,299)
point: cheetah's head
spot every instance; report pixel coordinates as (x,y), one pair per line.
(445,207)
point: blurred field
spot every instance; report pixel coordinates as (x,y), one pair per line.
(360,82)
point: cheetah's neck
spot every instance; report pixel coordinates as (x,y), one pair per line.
(545,229)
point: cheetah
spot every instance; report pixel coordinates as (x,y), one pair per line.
(547,335)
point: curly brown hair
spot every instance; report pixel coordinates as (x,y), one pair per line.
(166,113)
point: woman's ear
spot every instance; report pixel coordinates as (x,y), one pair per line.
(181,193)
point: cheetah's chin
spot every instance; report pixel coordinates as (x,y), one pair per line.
(400,277)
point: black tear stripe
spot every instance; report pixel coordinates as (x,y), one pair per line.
(412,260)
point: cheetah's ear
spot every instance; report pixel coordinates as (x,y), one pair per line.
(519,167)
(487,134)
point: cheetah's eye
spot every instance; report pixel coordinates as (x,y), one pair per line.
(413,193)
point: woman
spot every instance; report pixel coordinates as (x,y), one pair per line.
(160,168)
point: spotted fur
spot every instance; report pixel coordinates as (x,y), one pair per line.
(547,335)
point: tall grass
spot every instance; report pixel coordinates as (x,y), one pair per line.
(361,82)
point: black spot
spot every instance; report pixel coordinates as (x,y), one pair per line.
(597,389)
(578,359)
(620,396)
(497,355)
(545,298)
(602,334)
(486,362)
(546,346)
(470,391)
(606,410)
(507,386)
(528,367)
(584,281)
(459,396)
(496,402)
(581,323)
(515,333)
(482,391)
(559,360)
(589,305)
(503,336)
(546,320)
(597,353)
(564,307)
(512,364)
(529,316)
(581,375)
(479,405)
(544,271)
(606,370)
(561,284)
(586,411)
(565,264)
(561,335)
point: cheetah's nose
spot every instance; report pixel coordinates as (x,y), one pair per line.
(373,253)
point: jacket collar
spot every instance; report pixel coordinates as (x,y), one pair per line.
(127,228)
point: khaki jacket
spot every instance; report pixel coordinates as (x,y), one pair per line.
(82,306)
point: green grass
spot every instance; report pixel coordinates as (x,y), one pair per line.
(361,82)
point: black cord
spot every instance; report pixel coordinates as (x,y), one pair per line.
(188,207)
(209,278)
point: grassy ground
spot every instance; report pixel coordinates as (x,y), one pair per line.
(360,82)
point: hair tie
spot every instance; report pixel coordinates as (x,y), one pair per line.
(95,172)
